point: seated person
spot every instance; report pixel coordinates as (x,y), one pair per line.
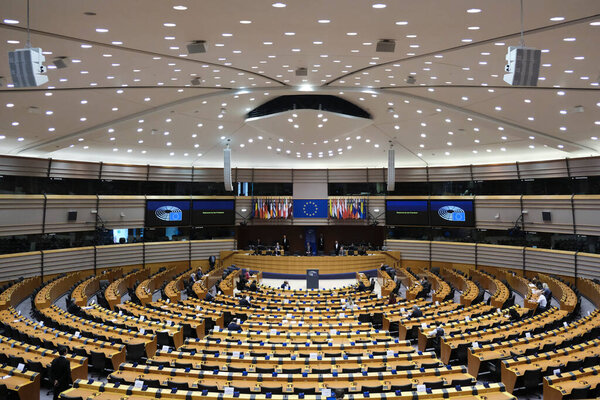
(209,297)
(285,285)
(392,299)
(245,302)
(547,292)
(542,303)
(361,286)
(253,287)
(349,304)
(514,315)
(416,312)
(193,277)
(426,288)
(234,325)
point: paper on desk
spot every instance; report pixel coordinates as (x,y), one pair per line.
(138,384)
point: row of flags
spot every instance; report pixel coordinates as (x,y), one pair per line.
(283,208)
(273,208)
(347,208)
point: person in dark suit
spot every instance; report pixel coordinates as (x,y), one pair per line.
(285,285)
(336,248)
(321,244)
(546,292)
(416,312)
(211,262)
(253,287)
(308,249)
(245,302)
(234,325)
(60,373)
(285,243)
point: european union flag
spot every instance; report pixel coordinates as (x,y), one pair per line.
(311,208)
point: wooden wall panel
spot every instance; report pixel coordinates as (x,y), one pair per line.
(410,249)
(588,265)
(550,261)
(119,255)
(170,174)
(202,249)
(558,206)
(346,175)
(497,212)
(500,256)
(443,174)
(494,172)
(74,169)
(273,175)
(24,166)
(587,215)
(463,253)
(411,175)
(122,211)
(57,210)
(167,251)
(21,214)
(13,266)
(543,169)
(125,172)
(68,260)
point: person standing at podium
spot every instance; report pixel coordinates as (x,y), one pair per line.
(337,247)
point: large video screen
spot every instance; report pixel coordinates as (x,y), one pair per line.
(451,213)
(213,212)
(406,212)
(167,212)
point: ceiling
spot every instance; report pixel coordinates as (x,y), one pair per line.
(126,94)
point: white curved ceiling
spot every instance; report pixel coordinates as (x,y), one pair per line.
(126,95)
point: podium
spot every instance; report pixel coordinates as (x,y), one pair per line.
(312,279)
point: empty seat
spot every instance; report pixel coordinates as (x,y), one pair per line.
(403,388)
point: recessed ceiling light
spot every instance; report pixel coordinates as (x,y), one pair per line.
(560,93)
(473,28)
(570,39)
(227,34)
(101,30)
(557,19)
(11,21)
(169,37)
(180,8)
(401,22)
(86,46)
(13,42)
(473,10)
(351,33)
(595,23)
(379,5)
(245,22)
(10,105)
(169,24)
(324,21)
(289,33)
(278,5)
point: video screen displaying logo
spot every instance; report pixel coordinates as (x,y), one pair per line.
(406,212)
(167,212)
(452,213)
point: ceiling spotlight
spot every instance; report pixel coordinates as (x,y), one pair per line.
(196,81)
(197,46)
(411,80)
(60,62)
(385,46)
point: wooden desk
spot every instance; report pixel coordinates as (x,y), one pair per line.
(254,381)
(112,351)
(128,337)
(298,265)
(469,290)
(118,288)
(451,342)
(147,287)
(497,289)
(18,292)
(97,313)
(396,345)
(221,361)
(555,386)
(79,365)
(25,384)
(108,391)
(563,293)
(91,286)
(511,370)
(517,347)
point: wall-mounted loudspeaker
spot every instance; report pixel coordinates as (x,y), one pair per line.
(546,216)
(72,216)
(227,169)
(391,172)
